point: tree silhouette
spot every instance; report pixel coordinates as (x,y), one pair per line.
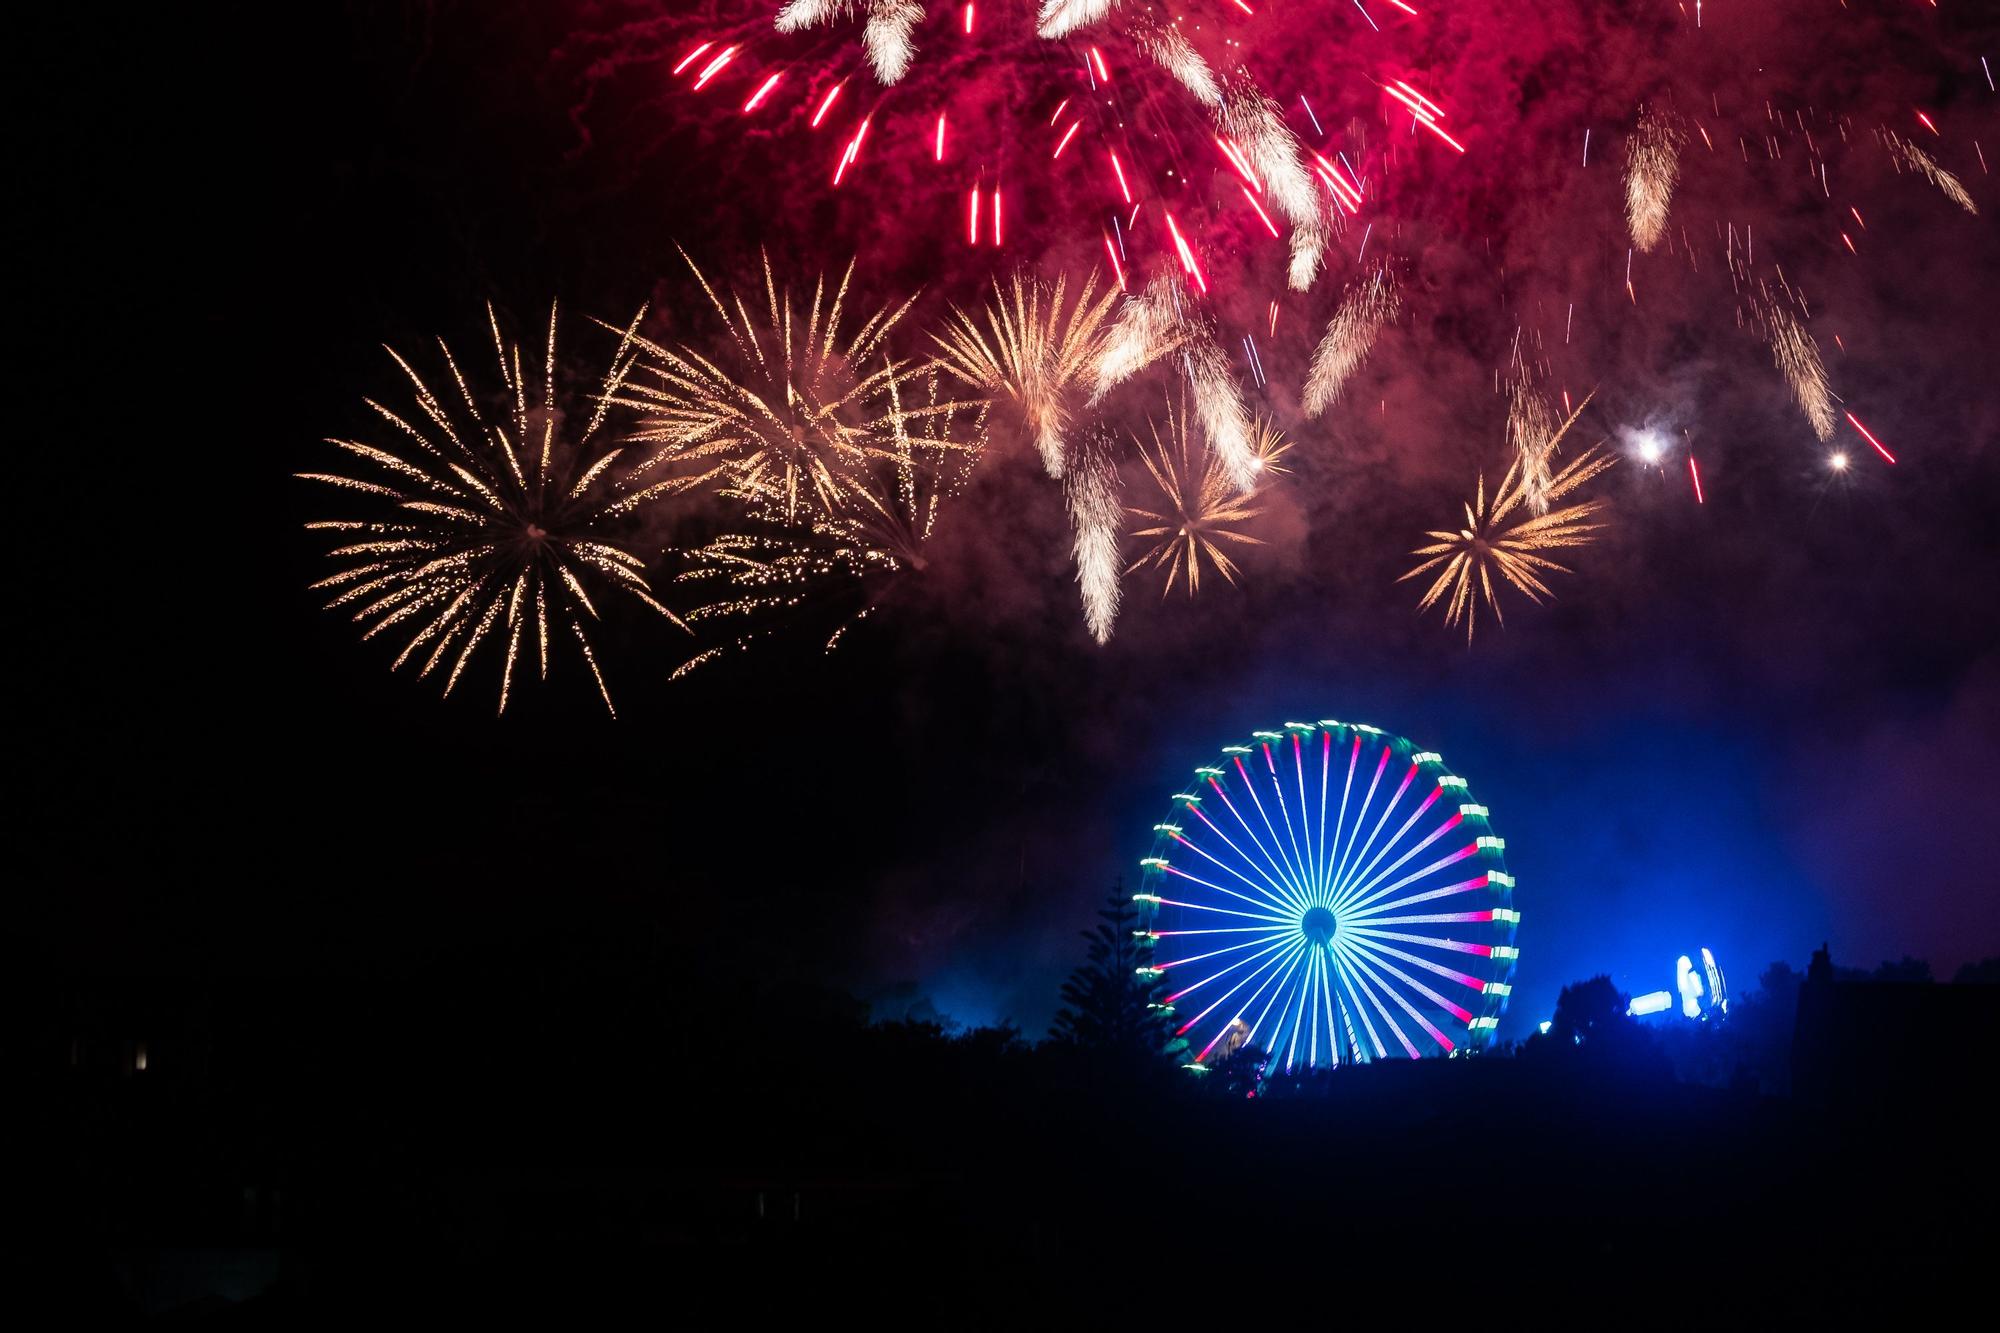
(1108,1006)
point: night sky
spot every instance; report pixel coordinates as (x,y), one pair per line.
(1751,724)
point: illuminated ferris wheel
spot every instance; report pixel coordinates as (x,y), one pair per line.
(1328,894)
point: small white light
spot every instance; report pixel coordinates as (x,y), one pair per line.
(1838,462)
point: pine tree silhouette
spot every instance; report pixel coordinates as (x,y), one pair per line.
(1108,1004)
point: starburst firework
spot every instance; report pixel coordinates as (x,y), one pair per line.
(496,516)
(1034,349)
(801,409)
(1497,541)
(1199,506)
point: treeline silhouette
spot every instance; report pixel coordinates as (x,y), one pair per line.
(614,1128)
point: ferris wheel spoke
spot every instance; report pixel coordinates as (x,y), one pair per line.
(1281,896)
(1281,990)
(1325,781)
(1278,789)
(1218,930)
(1299,772)
(1358,973)
(1280,943)
(1456,946)
(1274,982)
(1217,953)
(1362,894)
(1463,886)
(1325,876)
(1431,918)
(1376,832)
(1462,978)
(1340,1006)
(1403,1003)
(1363,872)
(1196,879)
(1353,1004)
(1269,860)
(1360,816)
(1223,911)
(1298,1021)
(1381,960)
(1262,814)
(1268,970)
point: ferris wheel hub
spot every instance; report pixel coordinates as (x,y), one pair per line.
(1318,925)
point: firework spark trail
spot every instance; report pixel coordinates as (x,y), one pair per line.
(1797,357)
(1652,166)
(1369,304)
(1168,49)
(885,35)
(1256,125)
(494,511)
(799,410)
(1225,421)
(1917,160)
(1200,506)
(1060,18)
(1489,544)
(1036,349)
(1149,326)
(1537,437)
(1091,489)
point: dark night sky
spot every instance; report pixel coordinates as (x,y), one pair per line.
(1752,725)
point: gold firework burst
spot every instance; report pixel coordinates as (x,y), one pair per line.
(801,407)
(1200,504)
(888,509)
(495,516)
(1035,348)
(1498,540)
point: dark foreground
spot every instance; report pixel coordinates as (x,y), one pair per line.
(572,1145)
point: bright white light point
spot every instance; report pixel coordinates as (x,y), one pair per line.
(1651,448)
(1838,462)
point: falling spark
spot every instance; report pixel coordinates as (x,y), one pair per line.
(1369,304)
(1917,160)
(763,91)
(1798,359)
(1495,541)
(1869,436)
(496,515)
